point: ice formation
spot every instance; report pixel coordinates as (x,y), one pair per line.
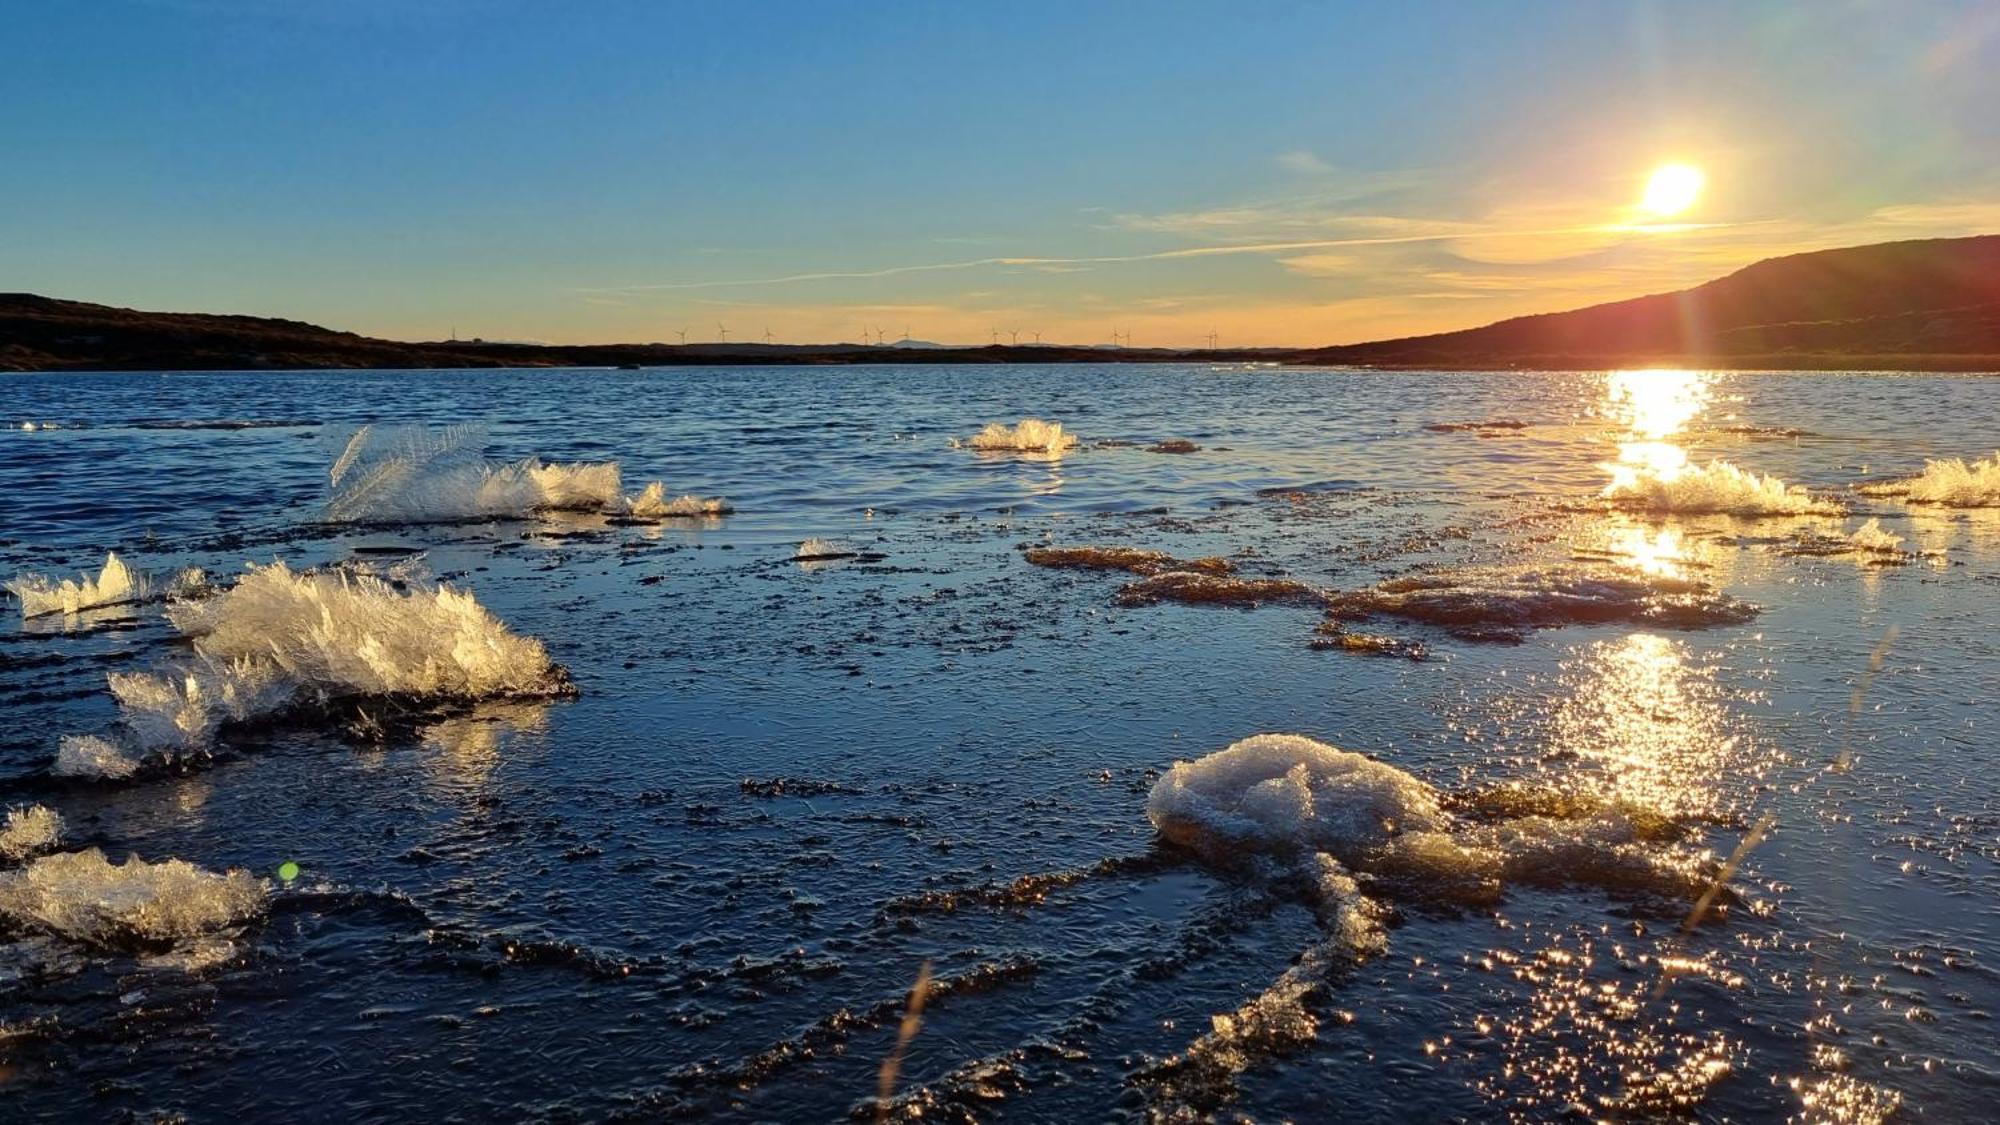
(1653,473)
(181,709)
(1343,827)
(337,634)
(29,832)
(1952,482)
(280,639)
(133,907)
(1715,488)
(1192,1085)
(651,504)
(414,474)
(1031,435)
(822,550)
(1874,545)
(1297,809)
(1289,795)
(1870,537)
(1503,603)
(115,584)
(92,756)
(1292,799)
(408,493)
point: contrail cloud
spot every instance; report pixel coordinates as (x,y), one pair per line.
(1120,259)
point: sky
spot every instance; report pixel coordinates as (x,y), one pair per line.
(1281,173)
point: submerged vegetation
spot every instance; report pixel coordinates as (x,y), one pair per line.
(1208,588)
(1132,560)
(1506,603)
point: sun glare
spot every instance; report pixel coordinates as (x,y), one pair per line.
(1672,189)
(1654,407)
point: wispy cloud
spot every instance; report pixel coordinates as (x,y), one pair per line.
(1336,277)
(1322,265)
(1262,220)
(1056,264)
(1304,163)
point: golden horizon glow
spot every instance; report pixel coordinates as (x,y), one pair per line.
(1672,189)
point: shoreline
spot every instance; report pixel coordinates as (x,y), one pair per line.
(1853,364)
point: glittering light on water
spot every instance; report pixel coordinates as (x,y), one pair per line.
(1585,1043)
(1654,406)
(1650,729)
(1651,550)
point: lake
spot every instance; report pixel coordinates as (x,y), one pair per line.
(704,886)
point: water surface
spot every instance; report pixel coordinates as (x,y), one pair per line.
(656,900)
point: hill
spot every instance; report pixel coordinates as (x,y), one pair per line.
(46,334)
(1923,305)
(43,333)
(1920,305)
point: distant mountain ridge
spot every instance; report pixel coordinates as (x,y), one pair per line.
(1933,300)
(1932,304)
(47,334)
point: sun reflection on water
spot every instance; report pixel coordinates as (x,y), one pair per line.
(1653,406)
(1647,726)
(1658,550)
(1584,1042)
(464,750)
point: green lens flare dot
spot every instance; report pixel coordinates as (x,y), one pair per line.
(288,871)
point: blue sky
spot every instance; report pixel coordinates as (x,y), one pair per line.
(1277,173)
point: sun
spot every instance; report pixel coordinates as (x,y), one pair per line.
(1672,189)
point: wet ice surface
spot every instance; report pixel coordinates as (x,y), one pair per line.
(705,885)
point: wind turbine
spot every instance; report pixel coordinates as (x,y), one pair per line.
(723,329)
(1038,338)
(996,337)
(1211,340)
(1013,337)
(684,336)
(906,333)
(767,335)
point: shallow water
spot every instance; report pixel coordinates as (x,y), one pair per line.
(779,778)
